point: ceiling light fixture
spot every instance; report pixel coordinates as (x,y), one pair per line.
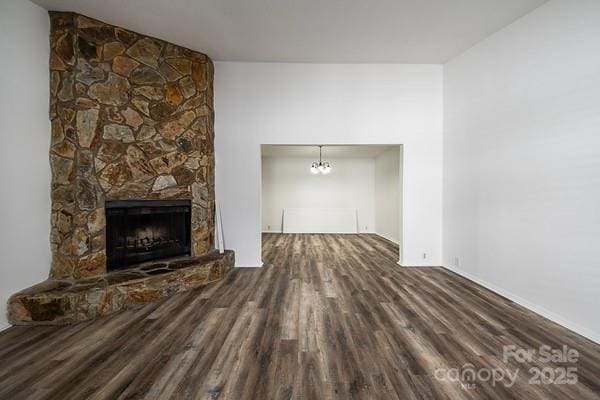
(320,167)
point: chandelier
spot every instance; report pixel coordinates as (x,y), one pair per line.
(320,167)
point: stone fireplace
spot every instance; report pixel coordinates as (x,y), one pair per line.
(146,230)
(132,172)
(131,119)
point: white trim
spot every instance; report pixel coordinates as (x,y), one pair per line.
(386,238)
(257,265)
(369,232)
(418,265)
(552,316)
(4,326)
(399,262)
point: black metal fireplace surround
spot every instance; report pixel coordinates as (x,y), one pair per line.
(144,230)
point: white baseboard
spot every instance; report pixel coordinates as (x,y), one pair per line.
(387,238)
(328,233)
(257,265)
(417,265)
(4,325)
(552,316)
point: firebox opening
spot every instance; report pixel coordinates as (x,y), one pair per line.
(145,230)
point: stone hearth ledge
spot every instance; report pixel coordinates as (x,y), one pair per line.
(61,302)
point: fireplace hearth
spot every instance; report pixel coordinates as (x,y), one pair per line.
(145,230)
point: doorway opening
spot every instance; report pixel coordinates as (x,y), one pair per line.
(333,189)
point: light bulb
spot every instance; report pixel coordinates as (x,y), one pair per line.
(327,169)
(321,168)
(314,169)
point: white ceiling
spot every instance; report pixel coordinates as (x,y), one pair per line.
(329,152)
(312,31)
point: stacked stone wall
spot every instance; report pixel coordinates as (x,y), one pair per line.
(132,118)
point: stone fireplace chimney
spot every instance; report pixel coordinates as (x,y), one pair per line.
(132,119)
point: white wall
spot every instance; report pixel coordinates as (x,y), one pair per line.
(258,103)
(388,194)
(24,166)
(522,162)
(288,183)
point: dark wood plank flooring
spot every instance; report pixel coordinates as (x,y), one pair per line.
(328,317)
